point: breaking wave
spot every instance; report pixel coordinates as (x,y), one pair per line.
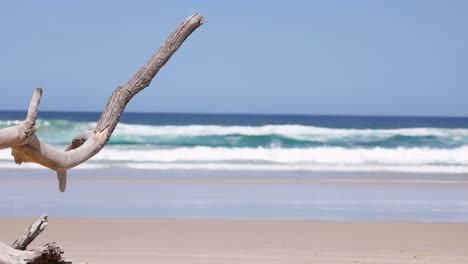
(268,147)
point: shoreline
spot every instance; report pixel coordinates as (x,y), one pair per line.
(21,173)
(248,241)
(118,193)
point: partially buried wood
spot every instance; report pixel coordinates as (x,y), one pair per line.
(27,147)
(48,253)
(17,253)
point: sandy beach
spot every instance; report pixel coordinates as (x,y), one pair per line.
(125,193)
(228,241)
(123,216)
(304,132)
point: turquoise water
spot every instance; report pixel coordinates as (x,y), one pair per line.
(266,142)
(250,167)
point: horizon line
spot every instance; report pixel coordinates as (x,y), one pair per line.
(253,114)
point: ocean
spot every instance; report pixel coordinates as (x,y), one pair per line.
(264,142)
(223,166)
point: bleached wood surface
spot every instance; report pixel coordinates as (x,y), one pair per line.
(27,147)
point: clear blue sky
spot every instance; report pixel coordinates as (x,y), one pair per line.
(306,57)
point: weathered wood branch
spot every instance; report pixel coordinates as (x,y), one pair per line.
(78,140)
(31,233)
(142,79)
(26,147)
(17,253)
(47,254)
(18,135)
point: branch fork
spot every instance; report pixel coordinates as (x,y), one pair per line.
(27,147)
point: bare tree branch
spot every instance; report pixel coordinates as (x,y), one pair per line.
(142,79)
(26,147)
(18,135)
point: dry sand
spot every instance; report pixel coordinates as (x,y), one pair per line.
(222,241)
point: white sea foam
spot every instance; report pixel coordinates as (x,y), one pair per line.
(293,131)
(427,157)
(220,130)
(309,159)
(319,155)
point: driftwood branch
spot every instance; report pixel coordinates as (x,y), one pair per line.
(31,233)
(18,135)
(142,79)
(27,147)
(17,253)
(48,253)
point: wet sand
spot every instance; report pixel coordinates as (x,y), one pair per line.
(123,193)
